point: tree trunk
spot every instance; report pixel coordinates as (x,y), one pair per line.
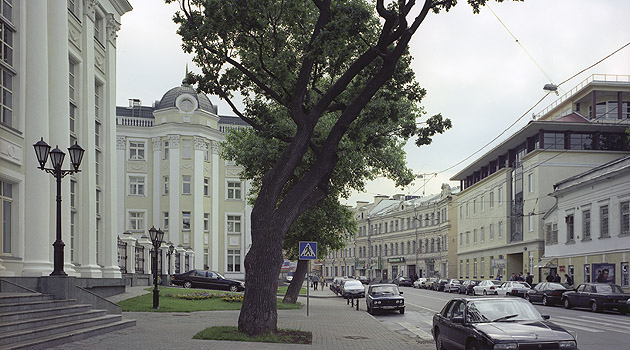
(296,284)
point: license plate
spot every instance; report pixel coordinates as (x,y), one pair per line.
(389,307)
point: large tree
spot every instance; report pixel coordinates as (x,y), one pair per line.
(321,78)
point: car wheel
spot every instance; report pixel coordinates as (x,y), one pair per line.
(567,303)
(507,294)
(595,307)
(233,288)
(527,298)
(187,284)
(439,345)
(484,292)
(545,301)
(472,345)
(402,311)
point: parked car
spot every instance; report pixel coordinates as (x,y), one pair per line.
(419,282)
(403,281)
(486,287)
(452,286)
(363,279)
(439,284)
(335,286)
(428,284)
(597,297)
(497,323)
(351,289)
(467,286)
(384,297)
(548,293)
(513,288)
(289,277)
(206,279)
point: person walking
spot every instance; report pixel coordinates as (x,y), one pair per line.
(529,279)
(315,281)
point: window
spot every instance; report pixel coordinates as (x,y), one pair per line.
(206,222)
(586,224)
(206,186)
(6,215)
(165,150)
(625,217)
(500,229)
(467,237)
(603,221)
(461,210)
(461,239)
(234,190)
(97,166)
(165,220)
(99,28)
(491,232)
(500,195)
(570,233)
(73,7)
(185,184)
(234,224)
(206,152)
(98,202)
(531,222)
(461,268)
(553,140)
(467,210)
(186,220)
(136,220)
(483,266)
(234,260)
(98,92)
(492,199)
(587,273)
(474,206)
(483,234)
(483,203)
(6,55)
(530,183)
(165,185)
(136,150)
(186,148)
(136,185)
(73,99)
(475,235)
(475,268)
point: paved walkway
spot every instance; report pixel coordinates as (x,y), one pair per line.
(334,325)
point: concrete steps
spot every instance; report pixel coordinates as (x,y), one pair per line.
(37,321)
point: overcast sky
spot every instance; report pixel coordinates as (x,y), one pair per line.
(474,72)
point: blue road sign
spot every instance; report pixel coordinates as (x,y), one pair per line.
(307,250)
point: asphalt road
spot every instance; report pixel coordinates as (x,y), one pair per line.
(594,331)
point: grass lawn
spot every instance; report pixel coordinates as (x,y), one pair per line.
(288,336)
(169,303)
(282,290)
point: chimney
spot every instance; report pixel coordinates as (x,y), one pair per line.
(134,102)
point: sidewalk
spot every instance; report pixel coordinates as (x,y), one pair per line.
(334,324)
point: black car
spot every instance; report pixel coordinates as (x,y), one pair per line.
(335,286)
(467,286)
(597,297)
(206,279)
(363,279)
(439,284)
(492,323)
(384,297)
(404,281)
(548,293)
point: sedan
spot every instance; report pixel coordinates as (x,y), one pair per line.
(439,285)
(597,297)
(452,286)
(548,293)
(206,279)
(404,281)
(497,323)
(419,282)
(384,297)
(514,288)
(467,286)
(486,287)
(352,289)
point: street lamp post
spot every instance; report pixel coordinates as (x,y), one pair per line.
(171,249)
(42,151)
(156,239)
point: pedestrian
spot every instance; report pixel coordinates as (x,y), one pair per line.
(529,279)
(556,278)
(315,281)
(549,277)
(322,282)
(568,280)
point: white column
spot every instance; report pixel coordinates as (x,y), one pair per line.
(157,182)
(174,178)
(121,188)
(214,232)
(38,186)
(196,241)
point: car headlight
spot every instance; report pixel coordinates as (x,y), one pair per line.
(506,346)
(567,344)
(377,302)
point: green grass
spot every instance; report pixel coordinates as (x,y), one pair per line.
(282,290)
(144,303)
(288,336)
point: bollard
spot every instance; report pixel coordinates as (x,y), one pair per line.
(357,304)
(351,302)
(348,301)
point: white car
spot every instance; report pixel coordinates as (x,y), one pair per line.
(486,287)
(419,283)
(514,288)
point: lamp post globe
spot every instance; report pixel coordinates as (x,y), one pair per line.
(41,151)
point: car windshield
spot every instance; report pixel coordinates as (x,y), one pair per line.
(559,286)
(607,289)
(218,275)
(353,283)
(384,290)
(495,282)
(507,310)
(524,284)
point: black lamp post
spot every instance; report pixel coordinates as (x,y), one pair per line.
(42,151)
(171,249)
(156,239)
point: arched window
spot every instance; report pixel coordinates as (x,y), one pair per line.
(432,245)
(396,248)
(426,245)
(408,247)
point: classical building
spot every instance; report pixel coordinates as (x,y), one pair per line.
(505,192)
(402,235)
(58,80)
(587,231)
(171,177)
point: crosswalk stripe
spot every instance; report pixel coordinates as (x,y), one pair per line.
(572,326)
(417,331)
(597,325)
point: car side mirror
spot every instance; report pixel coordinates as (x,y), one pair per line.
(401,292)
(458,319)
(546,317)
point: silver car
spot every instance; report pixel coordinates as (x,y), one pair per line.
(352,289)
(452,286)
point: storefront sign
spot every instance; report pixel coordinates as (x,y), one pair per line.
(399,259)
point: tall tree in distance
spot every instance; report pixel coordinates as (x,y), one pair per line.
(328,84)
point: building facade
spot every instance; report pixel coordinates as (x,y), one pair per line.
(172,177)
(398,236)
(58,83)
(587,232)
(505,192)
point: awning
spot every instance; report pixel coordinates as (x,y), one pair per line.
(547,262)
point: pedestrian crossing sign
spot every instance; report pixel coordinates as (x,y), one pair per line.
(307,250)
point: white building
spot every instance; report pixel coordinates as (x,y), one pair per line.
(588,229)
(171,176)
(58,81)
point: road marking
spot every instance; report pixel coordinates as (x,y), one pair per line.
(572,326)
(421,307)
(603,325)
(417,331)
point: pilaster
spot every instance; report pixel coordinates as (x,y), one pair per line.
(214,233)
